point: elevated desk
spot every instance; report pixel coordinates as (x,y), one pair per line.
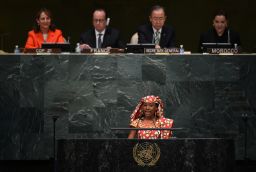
(124,155)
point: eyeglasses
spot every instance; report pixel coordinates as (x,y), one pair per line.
(99,20)
(158,18)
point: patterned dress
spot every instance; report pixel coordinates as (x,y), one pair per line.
(153,134)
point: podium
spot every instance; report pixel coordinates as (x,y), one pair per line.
(132,155)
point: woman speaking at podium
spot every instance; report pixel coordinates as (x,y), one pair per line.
(149,113)
(44,31)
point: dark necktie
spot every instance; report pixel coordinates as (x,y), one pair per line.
(99,40)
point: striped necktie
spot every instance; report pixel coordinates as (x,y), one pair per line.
(157,37)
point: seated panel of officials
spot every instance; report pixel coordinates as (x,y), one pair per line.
(103,36)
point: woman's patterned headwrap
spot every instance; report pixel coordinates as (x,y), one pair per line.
(148,99)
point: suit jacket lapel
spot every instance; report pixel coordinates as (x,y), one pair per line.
(163,37)
(106,38)
(50,36)
(39,38)
(93,38)
(150,34)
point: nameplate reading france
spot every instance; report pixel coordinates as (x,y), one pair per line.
(97,51)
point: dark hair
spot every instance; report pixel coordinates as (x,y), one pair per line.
(220,12)
(156,7)
(102,10)
(49,14)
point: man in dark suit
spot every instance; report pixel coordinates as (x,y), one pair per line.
(157,32)
(100,36)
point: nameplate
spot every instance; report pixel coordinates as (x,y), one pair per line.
(161,50)
(116,50)
(222,50)
(42,50)
(97,51)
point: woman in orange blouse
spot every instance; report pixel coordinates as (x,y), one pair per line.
(43,31)
(149,113)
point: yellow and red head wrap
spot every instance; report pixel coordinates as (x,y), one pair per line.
(148,99)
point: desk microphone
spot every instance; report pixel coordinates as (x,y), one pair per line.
(228,36)
(108,21)
(68,41)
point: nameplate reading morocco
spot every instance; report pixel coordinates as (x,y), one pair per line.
(223,50)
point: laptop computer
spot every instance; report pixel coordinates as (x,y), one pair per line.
(64,47)
(209,45)
(138,48)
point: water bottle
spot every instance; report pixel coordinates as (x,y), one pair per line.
(78,49)
(235,46)
(236,49)
(181,49)
(16,49)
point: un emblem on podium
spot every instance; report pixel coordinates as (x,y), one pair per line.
(146,154)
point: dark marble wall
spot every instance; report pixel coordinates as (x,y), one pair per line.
(205,94)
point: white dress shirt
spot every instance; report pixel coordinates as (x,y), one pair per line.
(97,36)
